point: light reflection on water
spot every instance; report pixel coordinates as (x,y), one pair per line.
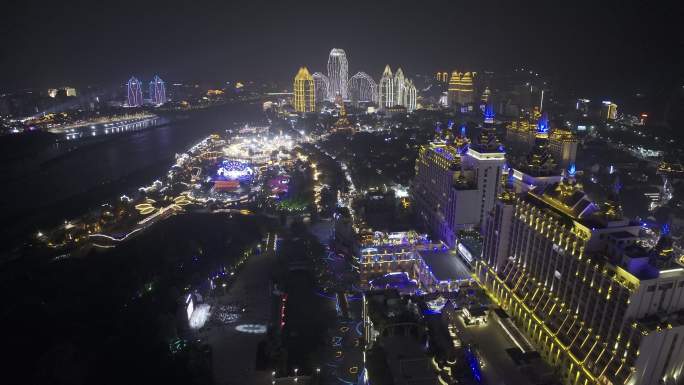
(67,179)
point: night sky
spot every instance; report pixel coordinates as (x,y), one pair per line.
(606,46)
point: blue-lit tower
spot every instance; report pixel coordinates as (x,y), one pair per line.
(135,98)
(157,91)
(489,114)
(543,124)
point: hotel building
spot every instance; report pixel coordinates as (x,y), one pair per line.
(575,279)
(460,90)
(456,184)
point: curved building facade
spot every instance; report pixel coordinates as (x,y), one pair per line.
(338,68)
(396,90)
(135,98)
(321,86)
(157,91)
(362,88)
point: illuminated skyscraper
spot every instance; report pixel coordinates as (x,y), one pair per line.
(460,91)
(135,98)
(304,91)
(321,87)
(456,184)
(386,97)
(563,146)
(399,87)
(410,95)
(396,90)
(590,297)
(362,88)
(337,73)
(609,110)
(157,91)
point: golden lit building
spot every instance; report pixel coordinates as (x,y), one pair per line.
(521,133)
(608,110)
(304,92)
(442,77)
(577,282)
(460,91)
(524,133)
(563,146)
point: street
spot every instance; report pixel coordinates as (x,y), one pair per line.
(234,345)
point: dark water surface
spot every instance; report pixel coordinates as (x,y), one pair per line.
(43,185)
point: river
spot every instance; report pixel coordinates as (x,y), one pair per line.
(67,179)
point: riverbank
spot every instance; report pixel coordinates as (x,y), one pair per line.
(109,317)
(83,177)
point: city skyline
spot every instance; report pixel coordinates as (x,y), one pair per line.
(580,27)
(356,193)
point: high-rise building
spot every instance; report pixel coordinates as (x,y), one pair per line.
(582,105)
(338,73)
(486,95)
(69,91)
(460,91)
(321,87)
(608,110)
(157,91)
(304,91)
(410,96)
(134,92)
(399,87)
(362,88)
(524,134)
(396,90)
(386,97)
(563,146)
(64,91)
(456,184)
(574,277)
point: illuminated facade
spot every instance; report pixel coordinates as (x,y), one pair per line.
(70,91)
(525,134)
(522,132)
(575,279)
(442,77)
(608,110)
(134,92)
(362,88)
(321,87)
(386,97)
(338,74)
(396,90)
(486,95)
(456,185)
(563,146)
(157,91)
(304,91)
(460,91)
